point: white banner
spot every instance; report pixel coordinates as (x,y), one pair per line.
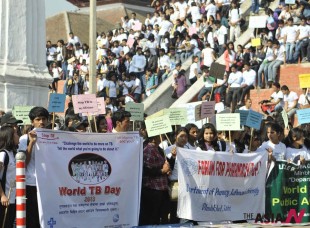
(87,179)
(219,186)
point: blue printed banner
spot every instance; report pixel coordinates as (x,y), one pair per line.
(254,119)
(303,116)
(57,102)
(218,186)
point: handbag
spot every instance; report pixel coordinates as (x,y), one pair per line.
(173,190)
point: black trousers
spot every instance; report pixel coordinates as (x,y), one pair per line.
(32,211)
(10,216)
(154,207)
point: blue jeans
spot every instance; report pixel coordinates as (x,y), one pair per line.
(272,70)
(255,6)
(64,67)
(289,47)
(300,46)
(262,68)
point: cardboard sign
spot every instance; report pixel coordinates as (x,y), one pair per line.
(130,42)
(192,30)
(207,109)
(228,122)
(255,42)
(197,112)
(137,26)
(101,108)
(71,60)
(304,80)
(136,110)
(57,102)
(177,116)
(258,21)
(303,116)
(243,116)
(22,113)
(254,119)
(85,103)
(285,118)
(158,125)
(291,2)
(217,70)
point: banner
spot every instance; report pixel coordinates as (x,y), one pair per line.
(218,186)
(88,180)
(287,194)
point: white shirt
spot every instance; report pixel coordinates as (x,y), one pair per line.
(291,153)
(278,150)
(50,56)
(138,62)
(234,15)
(195,11)
(165,26)
(220,34)
(248,77)
(101,84)
(280,53)
(304,31)
(163,61)
(128,84)
(302,99)
(290,33)
(10,174)
(290,98)
(113,86)
(138,84)
(207,56)
(211,10)
(74,40)
(182,8)
(195,43)
(56,72)
(59,55)
(192,69)
(30,169)
(278,95)
(235,79)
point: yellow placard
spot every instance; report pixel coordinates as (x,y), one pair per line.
(255,42)
(304,80)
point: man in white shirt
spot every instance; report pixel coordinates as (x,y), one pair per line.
(163,63)
(100,83)
(280,32)
(73,39)
(139,62)
(279,59)
(290,39)
(120,120)
(304,99)
(50,53)
(137,87)
(133,20)
(39,117)
(276,99)
(221,36)
(248,82)
(181,6)
(303,34)
(234,83)
(290,101)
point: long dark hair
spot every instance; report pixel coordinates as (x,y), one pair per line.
(201,141)
(293,133)
(7,139)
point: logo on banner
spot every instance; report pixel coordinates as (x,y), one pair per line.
(115,218)
(189,166)
(89,169)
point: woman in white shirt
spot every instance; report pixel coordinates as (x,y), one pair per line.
(193,71)
(57,74)
(296,151)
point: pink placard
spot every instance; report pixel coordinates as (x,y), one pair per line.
(130,42)
(137,26)
(85,103)
(207,109)
(192,30)
(101,108)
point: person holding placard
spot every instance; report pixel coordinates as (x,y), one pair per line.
(209,82)
(290,101)
(304,99)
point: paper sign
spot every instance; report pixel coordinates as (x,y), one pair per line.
(197,112)
(85,103)
(303,116)
(292,2)
(137,26)
(228,122)
(207,109)
(177,116)
(217,70)
(71,60)
(254,120)
(255,42)
(285,118)
(130,42)
(258,21)
(156,114)
(22,113)
(101,108)
(136,110)
(243,116)
(304,81)
(192,114)
(57,102)
(192,30)
(158,125)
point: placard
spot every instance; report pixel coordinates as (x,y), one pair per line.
(217,70)
(197,112)
(57,102)
(290,2)
(177,116)
(158,125)
(130,42)
(85,103)
(207,109)
(228,122)
(254,119)
(136,110)
(285,118)
(258,21)
(101,108)
(192,30)
(22,113)
(243,116)
(137,26)
(304,80)
(255,42)
(303,116)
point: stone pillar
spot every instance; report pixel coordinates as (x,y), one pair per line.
(24,77)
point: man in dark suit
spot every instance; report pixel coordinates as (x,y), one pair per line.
(151,61)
